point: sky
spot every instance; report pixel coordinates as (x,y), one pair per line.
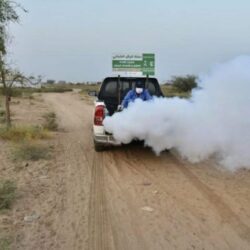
(74,40)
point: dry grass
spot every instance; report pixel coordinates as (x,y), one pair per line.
(2,112)
(26,92)
(7,194)
(2,116)
(86,88)
(170,91)
(30,152)
(5,243)
(50,121)
(21,133)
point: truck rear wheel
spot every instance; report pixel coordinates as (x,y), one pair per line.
(98,147)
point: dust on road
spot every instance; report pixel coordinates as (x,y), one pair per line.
(128,198)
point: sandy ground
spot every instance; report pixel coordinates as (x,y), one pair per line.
(124,198)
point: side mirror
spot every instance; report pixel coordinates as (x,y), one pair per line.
(92,93)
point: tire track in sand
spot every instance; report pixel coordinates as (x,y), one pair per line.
(100,233)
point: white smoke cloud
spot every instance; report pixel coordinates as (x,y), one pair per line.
(214,122)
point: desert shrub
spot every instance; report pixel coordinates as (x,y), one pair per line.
(7,193)
(86,88)
(5,243)
(170,91)
(178,94)
(184,84)
(54,90)
(50,121)
(2,116)
(15,92)
(27,92)
(2,120)
(19,133)
(30,152)
(2,112)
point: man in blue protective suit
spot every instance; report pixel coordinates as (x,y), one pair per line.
(139,92)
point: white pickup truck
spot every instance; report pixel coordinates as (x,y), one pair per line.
(112,92)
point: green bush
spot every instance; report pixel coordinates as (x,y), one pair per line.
(7,193)
(184,84)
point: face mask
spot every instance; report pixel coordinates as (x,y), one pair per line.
(138,90)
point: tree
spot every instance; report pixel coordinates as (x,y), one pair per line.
(8,14)
(14,78)
(184,83)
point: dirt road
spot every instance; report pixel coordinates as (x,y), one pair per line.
(128,198)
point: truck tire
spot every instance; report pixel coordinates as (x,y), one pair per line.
(98,147)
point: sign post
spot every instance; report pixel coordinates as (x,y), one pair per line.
(134,64)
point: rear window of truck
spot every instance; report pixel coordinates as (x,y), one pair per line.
(109,87)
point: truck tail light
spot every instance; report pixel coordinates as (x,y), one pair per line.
(99,115)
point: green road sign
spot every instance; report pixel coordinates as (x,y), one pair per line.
(143,64)
(148,67)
